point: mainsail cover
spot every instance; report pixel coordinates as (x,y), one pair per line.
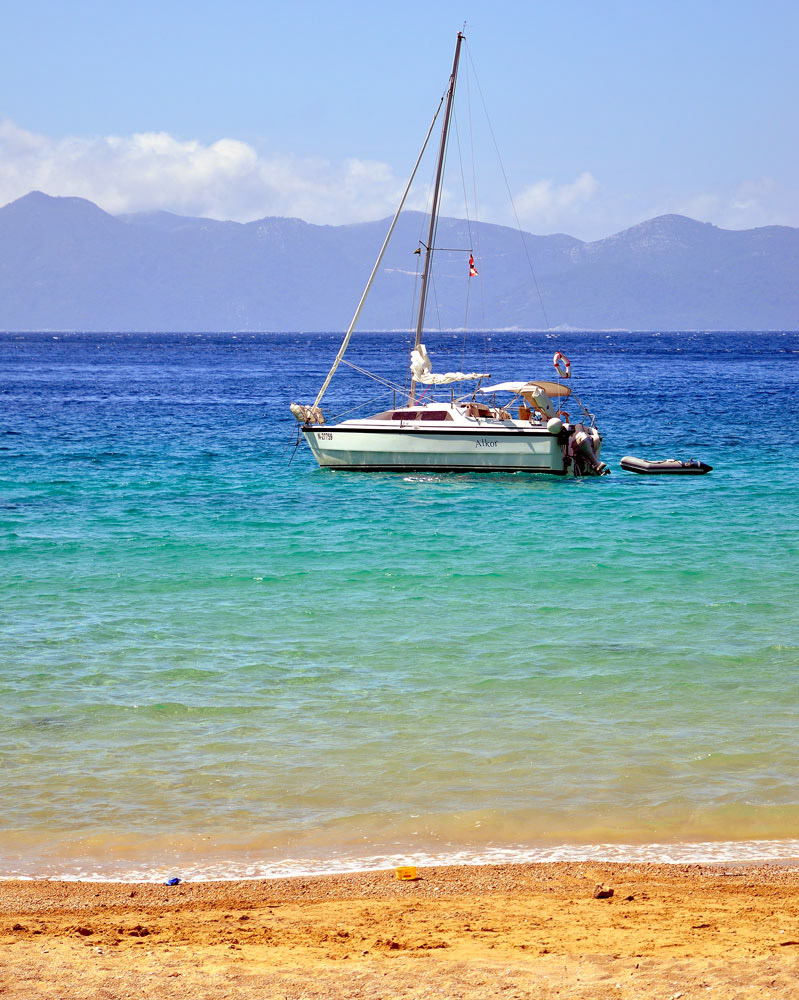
(422,370)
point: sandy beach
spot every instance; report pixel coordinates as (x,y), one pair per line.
(525,931)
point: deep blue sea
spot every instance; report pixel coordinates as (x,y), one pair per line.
(218,662)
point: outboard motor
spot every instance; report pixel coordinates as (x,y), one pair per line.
(582,448)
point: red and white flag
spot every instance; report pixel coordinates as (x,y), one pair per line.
(472,268)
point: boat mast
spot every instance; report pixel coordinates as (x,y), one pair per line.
(431,233)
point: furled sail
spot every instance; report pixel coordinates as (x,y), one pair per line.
(422,370)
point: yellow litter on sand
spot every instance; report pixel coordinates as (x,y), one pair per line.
(406,873)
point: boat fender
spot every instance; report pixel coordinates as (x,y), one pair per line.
(554,425)
(562,365)
(307,414)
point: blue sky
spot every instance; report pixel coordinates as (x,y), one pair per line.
(605,113)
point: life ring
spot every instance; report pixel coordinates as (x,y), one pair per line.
(562,365)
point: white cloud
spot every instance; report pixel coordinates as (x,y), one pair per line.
(224,180)
(229,179)
(590,212)
(758,202)
(546,206)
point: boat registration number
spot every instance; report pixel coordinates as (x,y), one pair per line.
(323,436)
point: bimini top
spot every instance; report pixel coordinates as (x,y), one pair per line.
(550,388)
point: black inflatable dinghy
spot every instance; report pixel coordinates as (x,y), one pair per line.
(669,466)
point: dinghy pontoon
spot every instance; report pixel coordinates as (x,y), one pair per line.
(668,466)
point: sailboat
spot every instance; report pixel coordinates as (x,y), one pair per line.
(529,432)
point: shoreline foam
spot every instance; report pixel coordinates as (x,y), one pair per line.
(750,852)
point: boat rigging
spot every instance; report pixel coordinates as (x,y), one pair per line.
(462,434)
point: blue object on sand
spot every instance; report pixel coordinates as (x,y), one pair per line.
(172,881)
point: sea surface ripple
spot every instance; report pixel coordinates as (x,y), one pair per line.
(220,659)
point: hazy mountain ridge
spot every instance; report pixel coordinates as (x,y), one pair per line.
(65,264)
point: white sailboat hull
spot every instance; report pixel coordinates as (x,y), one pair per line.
(505,449)
(468,434)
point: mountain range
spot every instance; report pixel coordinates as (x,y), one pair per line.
(65,264)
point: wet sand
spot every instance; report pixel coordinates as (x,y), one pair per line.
(527,931)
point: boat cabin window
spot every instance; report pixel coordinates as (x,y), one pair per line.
(417,415)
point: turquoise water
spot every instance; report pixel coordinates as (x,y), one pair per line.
(219,663)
